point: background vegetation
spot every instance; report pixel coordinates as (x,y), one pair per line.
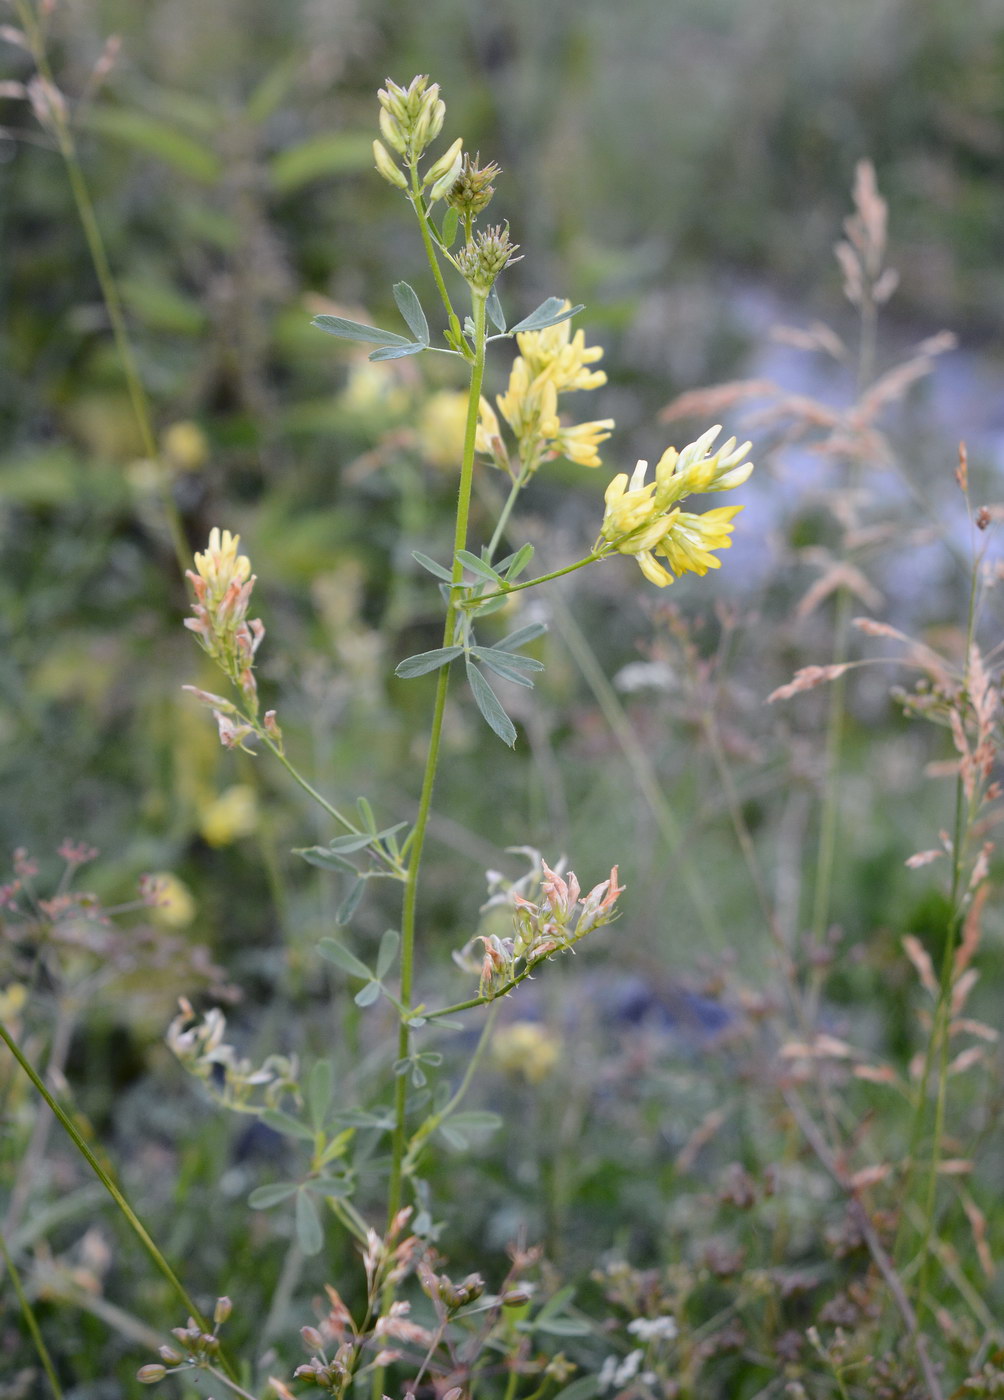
(684,169)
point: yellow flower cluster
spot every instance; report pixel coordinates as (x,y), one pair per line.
(550,362)
(644,519)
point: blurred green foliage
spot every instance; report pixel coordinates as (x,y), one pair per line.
(659,158)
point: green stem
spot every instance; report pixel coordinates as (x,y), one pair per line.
(418,204)
(31,1321)
(231,1385)
(106,279)
(135,1224)
(941,1027)
(503,519)
(432,1123)
(417,838)
(544,578)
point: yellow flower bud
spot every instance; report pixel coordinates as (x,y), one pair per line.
(448,164)
(386,167)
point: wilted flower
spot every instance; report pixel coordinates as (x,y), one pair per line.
(642,518)
(551,922)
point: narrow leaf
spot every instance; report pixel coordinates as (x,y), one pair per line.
(424,661)
(367,995)
(398,352)
(319,157)
(454,1138)
(561,1327)
(494,308)
(509,658)
(549,313)
(411,309)
(330,1186)
(520,560)
(262,1197)
(320,1087)
(451,222)
(478,566)
(359,1118)
(309,1235)
(489,705)
(366,814)
(324,859)
(389,944)
(155,137)
(432,566)
(480,1120)
(350,903)
(522,635)
(505,672)
(356,330)
(343,845)
(286,1124)
(337,953)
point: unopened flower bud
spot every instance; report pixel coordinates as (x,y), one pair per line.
(312,1339)
(450,163)
(390,130)
(481,261)
(472,191)
(224,1307)
(168,1354)
(515,1297)
(150,1375)
(386,167)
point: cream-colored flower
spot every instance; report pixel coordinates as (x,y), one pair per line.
(530,403)
(221,565)
(228,817)
(580,441)
(441,426)
(641,518)
(562,356)
(173,905)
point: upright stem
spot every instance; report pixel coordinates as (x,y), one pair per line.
(410,901)
(135,1224)
(31,1321)
(106,279)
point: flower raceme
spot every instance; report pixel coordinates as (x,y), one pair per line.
(644,519)
(223,582)
(553,922)
(551,362)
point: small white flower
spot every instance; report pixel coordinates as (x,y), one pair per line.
(649,1329)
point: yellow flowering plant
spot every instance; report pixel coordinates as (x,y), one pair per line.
(547,912)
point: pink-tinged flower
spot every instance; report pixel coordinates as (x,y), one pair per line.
(222,583)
